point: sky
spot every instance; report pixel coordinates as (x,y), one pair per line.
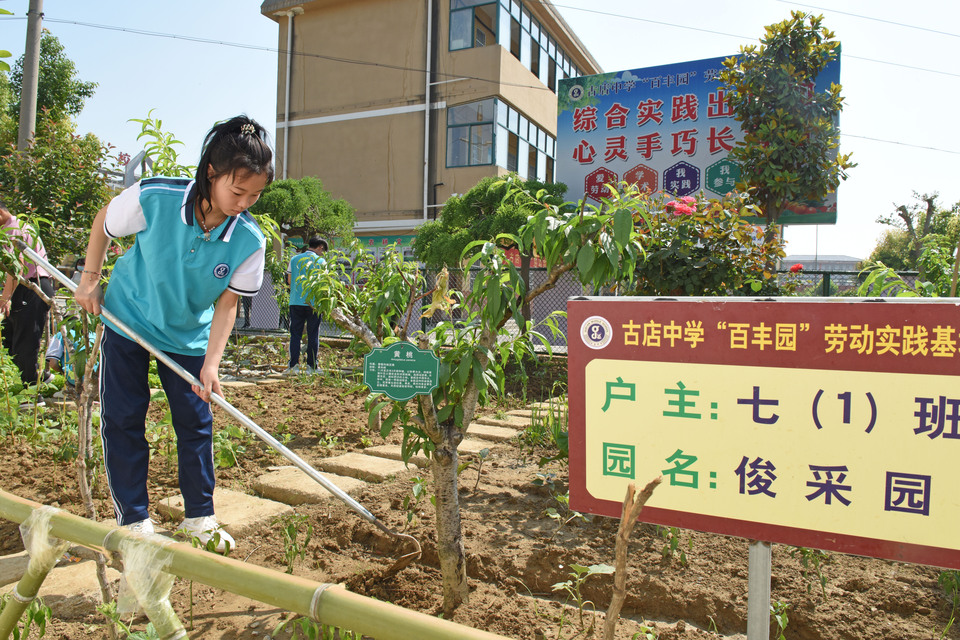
(194,63)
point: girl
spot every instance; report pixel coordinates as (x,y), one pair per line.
(196,251)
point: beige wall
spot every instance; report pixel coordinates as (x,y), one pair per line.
(375,163)
(386,32)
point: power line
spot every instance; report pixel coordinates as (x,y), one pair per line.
(902,144)
(302,54)
(272,50)
(741,37)
(856,15)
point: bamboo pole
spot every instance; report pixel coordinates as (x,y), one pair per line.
(326,603)
(44,553)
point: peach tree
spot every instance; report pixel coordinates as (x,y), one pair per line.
(601,244)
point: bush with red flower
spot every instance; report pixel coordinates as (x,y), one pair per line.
(697,246)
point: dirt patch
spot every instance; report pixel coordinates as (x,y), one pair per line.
(517,550)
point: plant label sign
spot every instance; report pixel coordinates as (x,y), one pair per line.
(401,371)
(832,425)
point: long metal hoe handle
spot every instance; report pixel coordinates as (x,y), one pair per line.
(220,400)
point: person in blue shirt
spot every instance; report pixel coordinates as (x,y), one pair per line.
(300,310)
(56,355)
(196,251)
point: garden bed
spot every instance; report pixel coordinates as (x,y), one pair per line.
(519,536)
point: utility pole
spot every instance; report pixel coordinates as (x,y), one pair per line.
(31,75)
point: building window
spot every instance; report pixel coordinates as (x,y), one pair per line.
(515,38)
(472,24)
(513,151)
(470,134)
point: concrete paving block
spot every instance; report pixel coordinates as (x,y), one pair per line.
(269,380)
(521,413)
(510,422)
(240,514)
(473,446)
(392,452)
(292,486)
(13,567)
(546,404)
(237,384)
(369,468)
(495,433)
(72,591)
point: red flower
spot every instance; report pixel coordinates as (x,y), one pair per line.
(679,207)
(797,268)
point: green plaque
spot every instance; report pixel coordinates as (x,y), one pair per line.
(401,371)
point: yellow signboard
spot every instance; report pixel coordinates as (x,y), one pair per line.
(851,451)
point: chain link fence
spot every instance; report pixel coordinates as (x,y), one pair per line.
(262,313)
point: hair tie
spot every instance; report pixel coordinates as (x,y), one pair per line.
(247,129)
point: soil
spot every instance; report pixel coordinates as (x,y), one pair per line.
(516,550)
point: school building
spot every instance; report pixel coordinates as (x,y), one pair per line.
(395,105)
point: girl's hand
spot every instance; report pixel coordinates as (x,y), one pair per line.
(89,295)
(210,378)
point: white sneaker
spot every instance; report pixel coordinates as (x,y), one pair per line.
(144,527)
(292,371)
(204,529)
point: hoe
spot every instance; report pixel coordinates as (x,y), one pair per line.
(401,563)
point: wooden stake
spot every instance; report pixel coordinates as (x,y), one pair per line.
(628,518)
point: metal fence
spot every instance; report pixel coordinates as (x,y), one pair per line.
(262,313)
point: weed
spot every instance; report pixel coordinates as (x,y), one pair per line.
(564,515)
(778,614)
(229,445)
(290,526)
(481,456)
(412,500)
(645,633)
(950,583)
(547,480)
(549,428)
(574,585)
(366,441)
(306,628)
(327,441)
(812,561)
(37,614)
(671,543)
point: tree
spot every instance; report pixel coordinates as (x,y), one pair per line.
(791,139)
(699,247)
(57,183)
(59,90)
(304,208)
(600,243)
(914,226)
(479,213)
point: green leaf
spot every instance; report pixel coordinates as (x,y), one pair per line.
(622,226)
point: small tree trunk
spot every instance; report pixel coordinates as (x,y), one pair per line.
(772,213)
(632,506)
(453,560)
(525,276)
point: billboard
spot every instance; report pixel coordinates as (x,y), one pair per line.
(666,128)
(829,425)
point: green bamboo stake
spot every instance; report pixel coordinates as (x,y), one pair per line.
(325,603)
(44,554)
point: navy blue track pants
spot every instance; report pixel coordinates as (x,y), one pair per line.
(124,398)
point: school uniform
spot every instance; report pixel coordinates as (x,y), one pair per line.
(164,288)
(301,313)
